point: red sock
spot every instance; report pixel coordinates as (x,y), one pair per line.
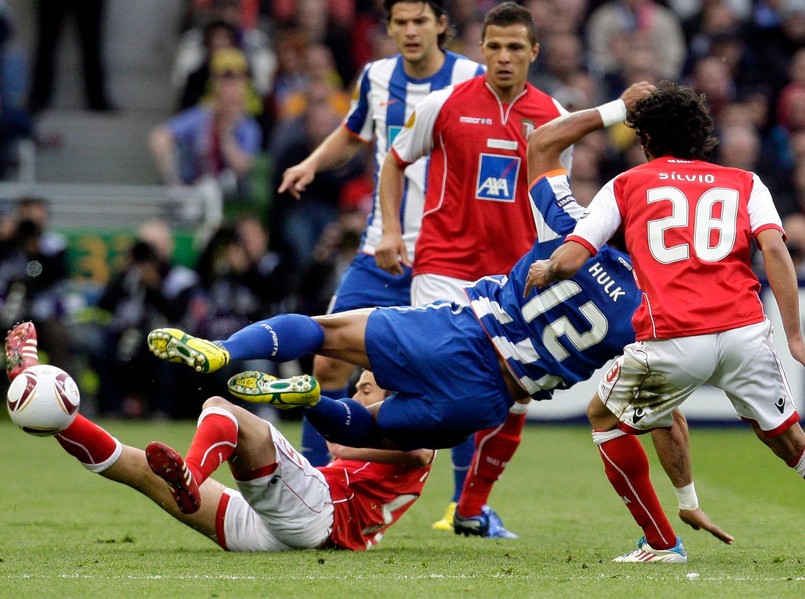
(627,468)
(215,439)
(494,449)
(90,444)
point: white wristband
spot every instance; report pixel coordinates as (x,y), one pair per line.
(687,497)
(612,112)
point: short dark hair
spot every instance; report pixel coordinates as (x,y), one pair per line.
(507,14)
(438,9)
(674,120)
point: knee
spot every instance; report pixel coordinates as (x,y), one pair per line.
(601,419)
(331,374)
(218,402)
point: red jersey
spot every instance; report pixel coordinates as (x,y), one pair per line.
(688,227)
(477,219)
(368,498)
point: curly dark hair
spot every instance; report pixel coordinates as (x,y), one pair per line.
(674,120)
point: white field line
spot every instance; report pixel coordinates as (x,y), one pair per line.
(682,577)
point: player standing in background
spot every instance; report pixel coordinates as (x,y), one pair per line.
(689,226)
(384,99)
(334,506)
(477,218)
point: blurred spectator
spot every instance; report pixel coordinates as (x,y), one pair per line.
(323,84)
(776,30)
(241,18)
(711,76)
(298,224)
(33,277)
(326,22)
(791,102)
(561,58)
(242,282)
(216,141)
(217,36)
(151,291)
(15,120)
(51,19)
(290,44)
(740,146)
(332,253)
(467,43)
(615,26)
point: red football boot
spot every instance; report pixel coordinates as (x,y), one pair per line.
(168,465)
(20,349)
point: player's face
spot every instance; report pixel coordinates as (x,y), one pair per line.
(367,392)
(415,30)
(508,53)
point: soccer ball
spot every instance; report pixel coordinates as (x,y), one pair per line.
(43,400)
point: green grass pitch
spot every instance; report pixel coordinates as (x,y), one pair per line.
(69,533)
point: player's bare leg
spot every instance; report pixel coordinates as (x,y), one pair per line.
(132,469)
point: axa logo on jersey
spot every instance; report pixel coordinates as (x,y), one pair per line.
(497,177)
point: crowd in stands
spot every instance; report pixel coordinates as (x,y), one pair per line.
(255,78)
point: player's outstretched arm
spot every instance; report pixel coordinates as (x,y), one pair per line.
(547,142)
(783,282)
(416,457)
(673,449)
(338,148)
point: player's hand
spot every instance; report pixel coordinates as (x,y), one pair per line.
(391,254)
(296,179)
(635,92)
(698,520)
(537,276)
(797,349)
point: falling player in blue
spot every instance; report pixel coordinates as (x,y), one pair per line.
(450,365)
(455,370)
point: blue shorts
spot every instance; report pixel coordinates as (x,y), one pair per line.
(443,370)
(366,285)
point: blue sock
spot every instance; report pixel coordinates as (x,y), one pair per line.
(314,446)
(280,339)
(462,458)
(345,421)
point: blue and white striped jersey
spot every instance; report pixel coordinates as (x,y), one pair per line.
(384,99)
(560,334)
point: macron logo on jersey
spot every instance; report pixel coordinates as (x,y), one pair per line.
(475,120)
(497,177)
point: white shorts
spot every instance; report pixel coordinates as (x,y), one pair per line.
(429,288)
(654,377)
(289,509)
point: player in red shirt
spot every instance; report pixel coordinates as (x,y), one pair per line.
(688,226)
(477,219)
(283,502)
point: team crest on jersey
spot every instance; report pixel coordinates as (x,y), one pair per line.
(527,126)
(411,120)
(497,177)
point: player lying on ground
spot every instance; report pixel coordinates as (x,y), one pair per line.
(449,378)
(282,503)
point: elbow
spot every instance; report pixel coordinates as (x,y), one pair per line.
(421,457)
